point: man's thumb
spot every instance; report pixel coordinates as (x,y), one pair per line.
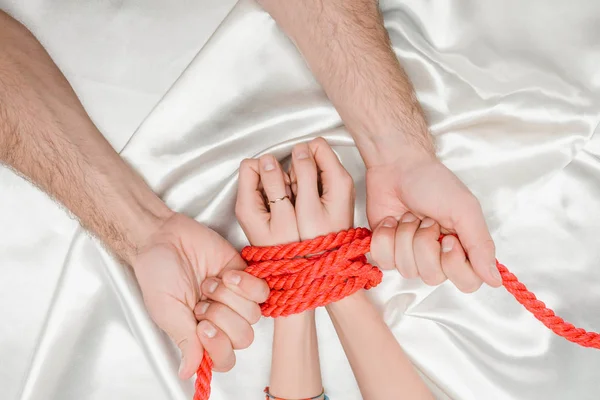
(181,327)
(478,243)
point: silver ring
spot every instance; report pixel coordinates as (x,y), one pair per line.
(279,199)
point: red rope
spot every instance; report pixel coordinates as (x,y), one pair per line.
(539,310)
(314,273)
(305,275)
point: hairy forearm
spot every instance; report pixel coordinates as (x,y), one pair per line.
(348,49)
(295,369)
(47,137)
(382,369)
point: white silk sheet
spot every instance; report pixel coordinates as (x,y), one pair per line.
(186,89)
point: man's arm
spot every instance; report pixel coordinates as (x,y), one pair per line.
(47,137)
(348,49)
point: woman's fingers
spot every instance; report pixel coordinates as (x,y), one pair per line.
(337,186)
(273,180)
(250,208)
(305,171)
(336,181)
(309,210)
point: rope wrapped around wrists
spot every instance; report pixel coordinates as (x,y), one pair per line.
(314,273)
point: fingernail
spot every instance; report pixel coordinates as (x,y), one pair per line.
(426,223)
(408,217)
(447,244)
(208,330)
(301,154)
(202,308)
(268,163)
(233,278)
(495,273)
(390,222)
(211,286)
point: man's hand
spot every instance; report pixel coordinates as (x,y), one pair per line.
(348,49)
(47,137)
(408,206)
(184,263)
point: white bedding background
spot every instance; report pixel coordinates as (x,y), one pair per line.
(186,89)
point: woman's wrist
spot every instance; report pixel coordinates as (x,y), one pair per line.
(295,371)
(348,308)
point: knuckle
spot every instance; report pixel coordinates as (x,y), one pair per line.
(264,294)
(470,287)
(245,339)
(224,365)
(469,201)
(488,245)
(229,364)
(254,315)
(408,273)
(432,278)
(245,163)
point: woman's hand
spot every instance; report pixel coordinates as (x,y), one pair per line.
(264,206)
(265,211)
(323,190)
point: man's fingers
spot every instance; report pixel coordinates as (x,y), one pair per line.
(237,329)
(247,286)
(476,239)
(456,266)
(383,243)
(179,322)
(218,346)
(215,290)
(427,252)
(404,253)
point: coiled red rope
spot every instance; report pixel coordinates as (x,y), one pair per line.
(314,273)
(303,276)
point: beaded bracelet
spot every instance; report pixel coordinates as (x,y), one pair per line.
(270,396)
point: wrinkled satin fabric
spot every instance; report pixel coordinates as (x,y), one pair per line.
(186,90)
